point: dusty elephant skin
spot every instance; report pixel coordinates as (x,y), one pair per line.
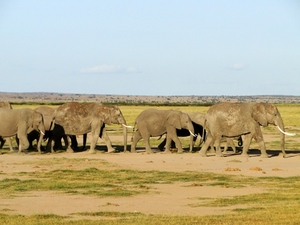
(20,122)
(154,123)
(233,120)
(75,118)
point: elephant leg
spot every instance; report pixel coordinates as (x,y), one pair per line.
(168,144)
(246,144)
(225,147)
(23,143)
(10,144)
(162,145)
(192,142)
(173,145)
(39,143)
(107,141)
(231,143)
(147,145)
(208,142)
(137,136)
(74,142)
(218,147)
(94,136)
(68,145)
(146,137)
(258,137)
(2,141)
(173,136)
(94,140)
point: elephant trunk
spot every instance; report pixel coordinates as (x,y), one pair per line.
(192,135)
(280,126)
(42,131)
(125,137)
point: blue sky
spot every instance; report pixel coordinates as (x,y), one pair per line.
(128,47)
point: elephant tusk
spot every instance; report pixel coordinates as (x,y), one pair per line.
(124,125)
(286,133)
(42,132)
(195,135)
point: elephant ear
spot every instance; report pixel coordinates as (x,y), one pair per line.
(174,120)
(105,114)
(259,114)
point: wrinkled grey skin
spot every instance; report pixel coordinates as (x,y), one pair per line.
(20,122)
(154,123)
(6,105)
(75,118)
(233,120)
(200,119)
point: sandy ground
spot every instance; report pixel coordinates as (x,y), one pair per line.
(172,199)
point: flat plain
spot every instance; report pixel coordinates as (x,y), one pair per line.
(158,188)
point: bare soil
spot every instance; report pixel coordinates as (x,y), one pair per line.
(170,199)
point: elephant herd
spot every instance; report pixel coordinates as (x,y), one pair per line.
(222,122)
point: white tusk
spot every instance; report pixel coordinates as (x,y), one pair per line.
(127,126)
(42,133)
(195,135)
(286,133)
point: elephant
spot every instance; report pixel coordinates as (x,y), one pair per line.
(198,131)
(47,113)
(6,105)
(74,118)
(241,119)
(198,121)
(229,142)
(155,122)
(20,122)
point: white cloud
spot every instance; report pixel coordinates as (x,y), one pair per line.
(237,66)
(109,69)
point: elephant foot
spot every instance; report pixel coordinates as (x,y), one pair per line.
(264,155)
(92,151)
(133,150)
(220,155)
(167,152)
(180,151)
(111,150)
(203,154)
(70,150)
(149,151)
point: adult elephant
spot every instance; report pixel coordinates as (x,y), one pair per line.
(233,120)
(6,105)
(76,118)
(154,122)
(20,122)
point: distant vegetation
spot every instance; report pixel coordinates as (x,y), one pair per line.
(193,100)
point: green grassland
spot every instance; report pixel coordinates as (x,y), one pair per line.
(279,205)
